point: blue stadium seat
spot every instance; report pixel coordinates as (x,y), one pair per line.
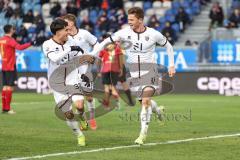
(186,4)
(4,21)
(31,29)
(169,12)
(190,13)
(37,1)
(160,28)
(26,7)
(147,5)
(225,22)
(93,13)
(176,27)
(170,18)
(162,20)
(176,5)
(97,33)
(236,4)
(196,7)
(37,8)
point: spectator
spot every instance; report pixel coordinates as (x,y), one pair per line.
(1,5)
(116,3)
(113,25)
(216,15)
(234,19)
(87,24)
(22,34)
(56,10)
(40,38)
(182,18)
(15,20)
(40,25)
(89,4)
(121,17)
(18,1)
(18,10)
(71,8)
(9,12)
(105,5)
(44,1)
(103,22)
(28,18)
(153,22)
(169,33)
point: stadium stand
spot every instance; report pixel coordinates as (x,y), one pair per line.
(97,16)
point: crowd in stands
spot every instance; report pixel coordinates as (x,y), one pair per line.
(231,19)
(32,18)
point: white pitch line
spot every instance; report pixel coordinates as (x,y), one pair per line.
(36,102)
(166,100)
(122,147)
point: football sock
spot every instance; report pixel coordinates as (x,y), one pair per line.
(3,100)
(128,93)
(73,124)
(155,107)
(91,108)
(8,95)
(145,119)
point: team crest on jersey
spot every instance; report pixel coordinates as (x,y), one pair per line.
(146,38)
(57,49)
(129,37)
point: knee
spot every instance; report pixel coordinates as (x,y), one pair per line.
(89,99)
(69,114)
(146,102)
(79,104)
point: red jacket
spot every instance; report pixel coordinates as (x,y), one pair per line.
(8,45)
(110,63)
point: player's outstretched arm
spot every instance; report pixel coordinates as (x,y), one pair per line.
(170,53)
(13,43)
(56,56)
(98,47)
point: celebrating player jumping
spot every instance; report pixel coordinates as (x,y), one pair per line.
(144,40)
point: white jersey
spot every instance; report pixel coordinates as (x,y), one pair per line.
(58,54)
(84,39)
(142,48)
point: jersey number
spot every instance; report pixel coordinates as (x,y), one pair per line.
(138,46)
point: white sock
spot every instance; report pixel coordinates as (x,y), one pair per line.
(155,107)
(73,124)
(145,119)
(118,104)
(91,108)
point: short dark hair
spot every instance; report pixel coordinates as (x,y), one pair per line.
(7,28)
(71,17)
(137,11)
(57,25)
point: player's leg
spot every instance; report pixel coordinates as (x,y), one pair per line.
(9,78)
(159,110)
(145,115)
(115,96)
(107,94)
(91,109)
(106,81)
(71,122)
(126,88)
(78,101)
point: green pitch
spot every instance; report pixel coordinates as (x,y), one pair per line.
(35,130)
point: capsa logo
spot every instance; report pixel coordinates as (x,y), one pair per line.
(224,86)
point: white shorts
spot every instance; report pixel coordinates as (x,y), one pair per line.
(139,89)
(58,97)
